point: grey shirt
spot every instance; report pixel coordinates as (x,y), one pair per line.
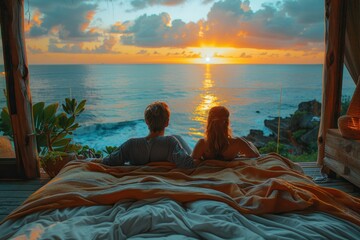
(140,151)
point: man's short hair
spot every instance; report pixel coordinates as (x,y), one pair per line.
(157,116)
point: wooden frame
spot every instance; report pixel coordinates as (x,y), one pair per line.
(18,89)
(19,95)
(335,23)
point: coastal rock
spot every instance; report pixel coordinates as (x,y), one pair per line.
(298,133)
(310,136)
(312,106)
(273,124)
(258,139)
(302,120)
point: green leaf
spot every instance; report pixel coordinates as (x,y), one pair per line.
(109,149)
(70,121)
(62,121)
(73,127)
(62,142)
(41,141)
(80,108)
(65,108)
(5,123)
(61,136)
(73,147)
(38,113)
(49,112)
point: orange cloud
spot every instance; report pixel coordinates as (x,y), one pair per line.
(89,16)
(35,20)
(118,27)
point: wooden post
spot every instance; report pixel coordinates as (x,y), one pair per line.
(18,86)
(335,23)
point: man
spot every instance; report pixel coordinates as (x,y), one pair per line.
(155,147)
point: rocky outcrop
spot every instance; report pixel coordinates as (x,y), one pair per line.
(298,132)
(257,137)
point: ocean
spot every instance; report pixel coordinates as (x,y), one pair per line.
(118,94)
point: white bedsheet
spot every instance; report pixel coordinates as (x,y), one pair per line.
(168,219)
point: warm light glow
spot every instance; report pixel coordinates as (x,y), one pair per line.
(207,59)
(208,100)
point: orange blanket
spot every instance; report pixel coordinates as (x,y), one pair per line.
(269,184)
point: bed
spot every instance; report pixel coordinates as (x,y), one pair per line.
(264,198)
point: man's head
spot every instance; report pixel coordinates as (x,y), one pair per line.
(157,116)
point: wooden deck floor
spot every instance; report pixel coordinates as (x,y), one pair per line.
(15,192)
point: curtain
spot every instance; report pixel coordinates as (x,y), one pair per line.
(352,39)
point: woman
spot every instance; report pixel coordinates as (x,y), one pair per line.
(218,142)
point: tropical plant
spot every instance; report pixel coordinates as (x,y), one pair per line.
(5,123)
(53,161)
(53,129)
(110,149)
(272,147)
(88,152)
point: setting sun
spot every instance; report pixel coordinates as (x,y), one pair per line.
(207,59)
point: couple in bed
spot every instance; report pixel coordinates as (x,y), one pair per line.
(155,147)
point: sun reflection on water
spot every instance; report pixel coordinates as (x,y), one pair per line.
(208,99)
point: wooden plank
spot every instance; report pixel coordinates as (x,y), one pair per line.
(352,175)
(6,210)
(308,164)
(39,182)
(343,186)
(16,194)
(18,86)
(10,201)
(348,148)
(343,156)
(14,187)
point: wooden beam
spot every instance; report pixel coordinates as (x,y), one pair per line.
(18,86)
(335,24)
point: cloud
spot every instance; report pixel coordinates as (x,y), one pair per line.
(70,21)
(56,46)
(142,52)
(159,31)
(107,46)
(217,55)
(119,27)
(141,4)
(33,20)
(304,11)
(296,24)
(232,23)
(34,50)
(244,55)
(272,26)
(207,1)
(185,54)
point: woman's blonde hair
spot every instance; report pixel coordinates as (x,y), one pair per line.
(157,116)
(218,130)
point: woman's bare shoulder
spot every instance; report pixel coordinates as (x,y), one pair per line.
(201,141)
(199,149)
(236,139)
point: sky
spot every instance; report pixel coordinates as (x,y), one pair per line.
(174,31)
